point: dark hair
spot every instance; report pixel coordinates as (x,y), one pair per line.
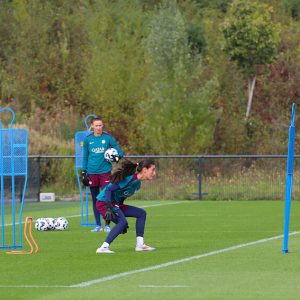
(96,119)
(129,168)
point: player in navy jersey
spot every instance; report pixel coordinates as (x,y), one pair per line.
(95,168)
(124,182)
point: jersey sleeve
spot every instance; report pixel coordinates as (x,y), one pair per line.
(109,190)
(115,145)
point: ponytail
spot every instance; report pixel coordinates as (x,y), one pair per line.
(129,168)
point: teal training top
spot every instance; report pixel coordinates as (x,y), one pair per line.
(118,192)
(94,148)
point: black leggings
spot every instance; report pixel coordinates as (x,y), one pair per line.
(121,222)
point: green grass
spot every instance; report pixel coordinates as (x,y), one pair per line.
(179,230)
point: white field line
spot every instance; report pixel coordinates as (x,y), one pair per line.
(35,286)
(175,262)
(164,286)
(160,266)
(145,206)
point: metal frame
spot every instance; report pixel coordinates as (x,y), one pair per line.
(10,135)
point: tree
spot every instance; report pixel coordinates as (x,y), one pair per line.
(251,39)
(178,115)
(114,83)
(43,60)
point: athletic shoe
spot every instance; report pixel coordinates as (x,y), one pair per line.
(104,250)
(107,228)
(97,229)
(144,248)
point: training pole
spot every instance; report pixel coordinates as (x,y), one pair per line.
(289,181)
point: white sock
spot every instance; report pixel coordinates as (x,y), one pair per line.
(105,245)
(139,241)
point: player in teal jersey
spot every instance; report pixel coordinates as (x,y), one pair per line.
(124,183)
(95,168)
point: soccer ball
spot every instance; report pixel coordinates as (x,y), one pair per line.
(41,224)
(51,223)
(111,154)
(61,223)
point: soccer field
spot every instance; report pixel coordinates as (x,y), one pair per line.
(205,250)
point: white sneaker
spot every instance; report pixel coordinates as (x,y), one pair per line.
(107,228)
(97,229)
(144,248)
(104,250)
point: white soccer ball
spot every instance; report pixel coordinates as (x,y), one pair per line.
(54,223)
(61,223)
(111,154)
(41,224)
(51,223)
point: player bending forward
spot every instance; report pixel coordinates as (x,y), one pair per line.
(124,182)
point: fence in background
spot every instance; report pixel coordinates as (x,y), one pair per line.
(205,177)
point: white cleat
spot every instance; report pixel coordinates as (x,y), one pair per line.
(107,228)
(97,229)
(144,248)
(104,250)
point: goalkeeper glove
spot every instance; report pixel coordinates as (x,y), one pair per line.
(115,158)
(84,178)
(110,213)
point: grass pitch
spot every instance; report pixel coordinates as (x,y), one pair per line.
(205,250)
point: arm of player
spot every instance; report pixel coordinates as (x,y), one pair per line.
(113,144)
(109,190)
(110,210)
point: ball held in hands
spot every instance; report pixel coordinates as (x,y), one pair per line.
(111,155)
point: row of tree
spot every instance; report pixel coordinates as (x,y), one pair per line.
(167,76)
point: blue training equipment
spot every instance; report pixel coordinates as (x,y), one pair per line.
(79,138)
(13,170)
(289,180)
